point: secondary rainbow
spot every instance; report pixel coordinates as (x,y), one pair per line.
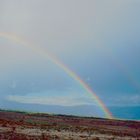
(45,53)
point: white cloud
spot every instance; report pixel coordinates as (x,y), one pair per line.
(51,100)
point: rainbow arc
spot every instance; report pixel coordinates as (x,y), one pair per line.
(47,55)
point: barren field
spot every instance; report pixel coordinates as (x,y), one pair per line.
(35,126)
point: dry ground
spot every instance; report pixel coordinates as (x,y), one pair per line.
(26,126)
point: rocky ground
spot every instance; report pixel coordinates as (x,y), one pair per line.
(28,126)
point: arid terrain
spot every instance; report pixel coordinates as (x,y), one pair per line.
(37,126)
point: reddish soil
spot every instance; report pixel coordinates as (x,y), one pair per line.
(27,126)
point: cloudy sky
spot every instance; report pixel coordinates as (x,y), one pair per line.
(97,39)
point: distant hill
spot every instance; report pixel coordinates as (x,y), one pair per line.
(131,112)
(128,112)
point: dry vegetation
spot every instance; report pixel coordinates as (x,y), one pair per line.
(26,126)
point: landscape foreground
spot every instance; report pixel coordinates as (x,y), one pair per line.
(37,126)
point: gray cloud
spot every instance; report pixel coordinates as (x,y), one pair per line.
(87,35)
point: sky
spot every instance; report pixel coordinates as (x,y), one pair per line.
(97,39)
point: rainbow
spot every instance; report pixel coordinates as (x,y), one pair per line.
(45,53)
